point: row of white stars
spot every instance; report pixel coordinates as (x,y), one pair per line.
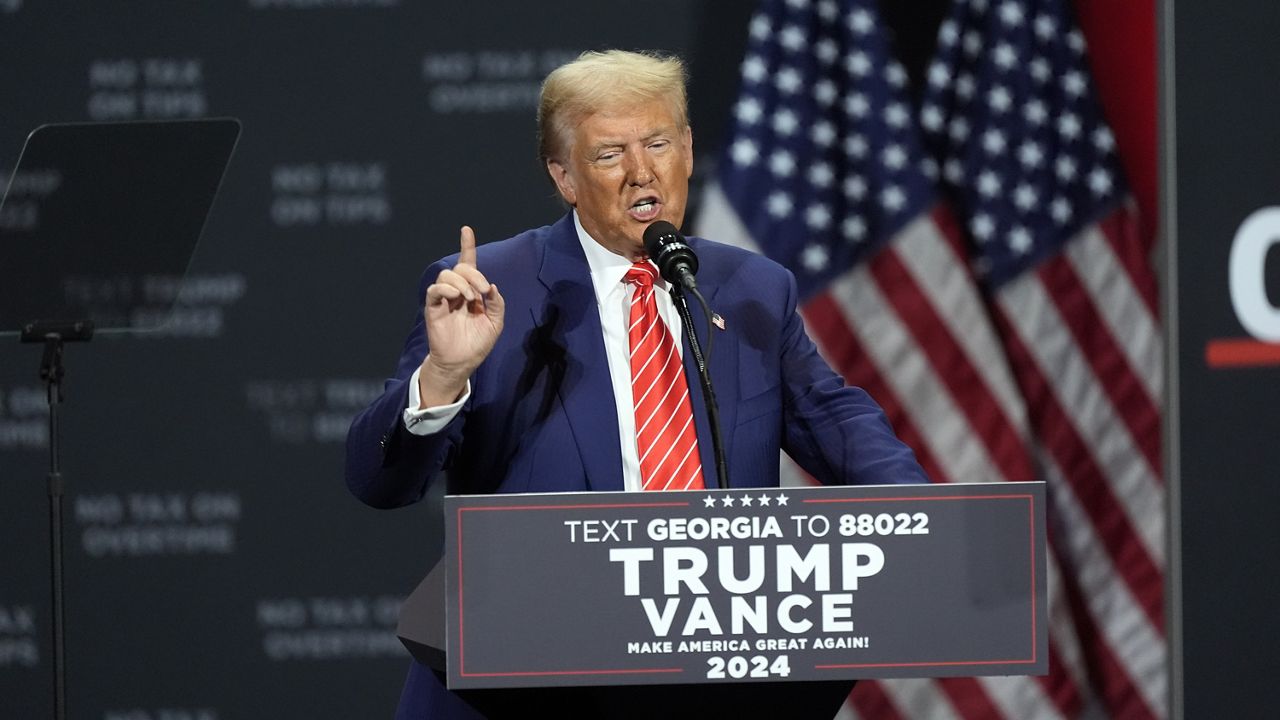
(763,499)
(859,20)
(1073,82)
(1012,15)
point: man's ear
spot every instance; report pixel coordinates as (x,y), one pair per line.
(687,140)
(563,180)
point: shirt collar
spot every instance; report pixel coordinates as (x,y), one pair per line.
(607,267)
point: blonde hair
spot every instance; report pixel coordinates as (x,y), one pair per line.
(598,80)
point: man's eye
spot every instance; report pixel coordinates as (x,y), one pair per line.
(659,145)
(607,157)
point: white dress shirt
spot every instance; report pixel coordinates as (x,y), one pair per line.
(613,301)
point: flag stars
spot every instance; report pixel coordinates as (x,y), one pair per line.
(1035,113)
(1011,13)
(727,501)
(1073,83)
(972,44)
(855,146)
(827,10)
(785,122)
(931,118)
(993,142)
(744,152)
(893,199)
(761,28)
(782,163)
(764,500)
(861,22)
(792,38)
(1046,28)
(824,91)
(896,75)
(894,157)
(959,129)
(1040,70)
(989,184)
(826,51)
(823,133)
(1025,198)
(982,227)
(817,217)
(782,499)
(754,69)
(1065,169)
(853,229)
(815,258)
(1069,126)
(779,204)
(939,75)
(896,116)
(1060,209)
(929,167)
(856,105)
(821,175)
(999,99)
(1100,182)
(1104,140)
(857,64)
(948,34)
(855,188)
(953,170)
(1020,240)
(746,500)
(748,111)
(965,87)
(1005,57)
(708,501)
(1075,41)
(788,80)
(1030,155)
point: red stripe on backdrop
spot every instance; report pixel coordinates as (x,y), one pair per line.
(1059,686)
(969,698)
(871,702)
(1056,431)
(841,348)
(1120,695)
(973,397)
(1120,230)
(1122,55)
(1099,347)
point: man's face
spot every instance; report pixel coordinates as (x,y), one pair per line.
(624,169)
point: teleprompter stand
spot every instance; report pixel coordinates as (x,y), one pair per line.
(101,205)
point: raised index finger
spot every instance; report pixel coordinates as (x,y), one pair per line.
(468,242)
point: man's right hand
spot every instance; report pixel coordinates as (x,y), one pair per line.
(464,315)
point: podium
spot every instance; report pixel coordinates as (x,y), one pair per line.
(760,601)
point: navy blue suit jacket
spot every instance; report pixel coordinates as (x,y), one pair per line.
(541,416)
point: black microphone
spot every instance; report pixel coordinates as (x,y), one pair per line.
(675,259)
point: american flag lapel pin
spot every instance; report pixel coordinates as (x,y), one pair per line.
(717,320)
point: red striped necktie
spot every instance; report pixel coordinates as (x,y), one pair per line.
(666,438)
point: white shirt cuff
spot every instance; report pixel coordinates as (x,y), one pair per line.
(433,419)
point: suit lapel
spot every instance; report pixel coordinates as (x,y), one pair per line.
(572,321)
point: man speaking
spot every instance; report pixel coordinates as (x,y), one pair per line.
(554,361)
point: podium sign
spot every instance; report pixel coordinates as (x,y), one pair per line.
(739,585)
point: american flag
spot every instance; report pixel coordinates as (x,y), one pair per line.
(1016,343)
